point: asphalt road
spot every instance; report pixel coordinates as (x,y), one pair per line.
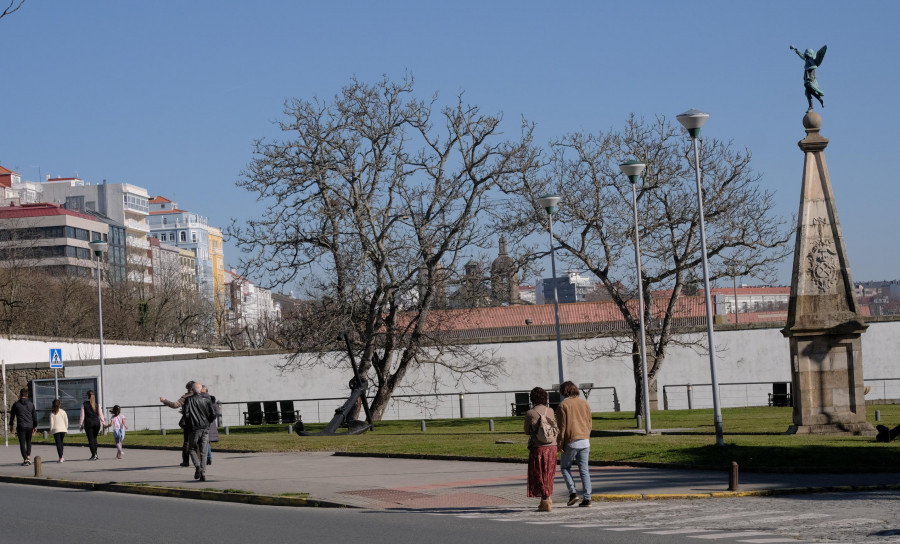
(52,516)
(39,515)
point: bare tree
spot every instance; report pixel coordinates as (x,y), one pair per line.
(13,7)
(594,226)
(371,198)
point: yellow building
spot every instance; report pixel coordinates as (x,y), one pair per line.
(217,256)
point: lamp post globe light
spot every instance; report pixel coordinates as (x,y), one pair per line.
(99,247)
(549,202)
(633,169)
(693,121)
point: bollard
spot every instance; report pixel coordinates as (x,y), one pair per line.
(690,394)
(38,462)
(877,415)
(423,425)
(290,429)
(164,432)
(462,408)
(226,431)
(44,435)
(733,477)
(491,425)
(639,421)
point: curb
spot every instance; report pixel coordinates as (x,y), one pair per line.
(176,492)
(600,497)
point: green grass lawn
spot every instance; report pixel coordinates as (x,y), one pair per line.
(754,437)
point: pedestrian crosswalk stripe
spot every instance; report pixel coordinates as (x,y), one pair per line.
(731,515)
(557,522)
(773,540)
(585,525)
(678,531)
(716,536)
(810,515)
(624,528)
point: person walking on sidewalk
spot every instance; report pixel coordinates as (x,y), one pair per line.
(23,414)
(574,418)
(185,457)
(59,426)
(91,421)
(540,424)
(198,413)
(119,426)
(214,426)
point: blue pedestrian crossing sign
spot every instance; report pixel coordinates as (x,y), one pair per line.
(56,358)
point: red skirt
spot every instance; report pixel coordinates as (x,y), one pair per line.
(541,471)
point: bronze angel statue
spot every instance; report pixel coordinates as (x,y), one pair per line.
(812,61)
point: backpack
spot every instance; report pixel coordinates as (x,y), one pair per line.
(547,431)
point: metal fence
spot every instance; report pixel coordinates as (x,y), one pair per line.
(699,395)
(884,389)
(321,410)
(688,396)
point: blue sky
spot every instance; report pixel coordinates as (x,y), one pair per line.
(170,95)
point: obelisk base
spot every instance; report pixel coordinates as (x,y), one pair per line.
(828,390)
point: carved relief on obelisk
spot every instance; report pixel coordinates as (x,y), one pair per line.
(824,323)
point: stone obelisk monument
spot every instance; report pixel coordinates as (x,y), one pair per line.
(824,324)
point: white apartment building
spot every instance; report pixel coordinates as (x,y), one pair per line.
(248,306)
(750,299)
(122,202)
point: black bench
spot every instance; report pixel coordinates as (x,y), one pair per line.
(780,395)
(254,414)
(523,402)
(268,412)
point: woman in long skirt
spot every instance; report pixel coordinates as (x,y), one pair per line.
(541,455)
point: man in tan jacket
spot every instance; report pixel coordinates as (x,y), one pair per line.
(574,419)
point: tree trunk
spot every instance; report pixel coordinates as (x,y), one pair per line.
(380,403)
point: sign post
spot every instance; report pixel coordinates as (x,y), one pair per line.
(5,407)
(56,362)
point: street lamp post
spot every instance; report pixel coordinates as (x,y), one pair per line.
(634,169)
(99,247)
(693,121)
(549,202)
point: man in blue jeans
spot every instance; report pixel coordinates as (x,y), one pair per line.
(573,416)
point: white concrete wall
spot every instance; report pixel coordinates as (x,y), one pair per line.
(15,351)
(758,355)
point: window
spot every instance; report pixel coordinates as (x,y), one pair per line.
(162,237)
(194,237)
(137,203)
(183,236)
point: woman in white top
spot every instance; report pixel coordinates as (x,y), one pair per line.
(59,426)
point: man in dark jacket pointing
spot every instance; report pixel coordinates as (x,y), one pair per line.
(198,414)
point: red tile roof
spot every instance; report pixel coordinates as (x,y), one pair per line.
(40,210)
(159,200)
(6,171)
(751,291)
(543,314)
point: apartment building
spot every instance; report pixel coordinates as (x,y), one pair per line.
(123,203)
(185,230)
(52,238)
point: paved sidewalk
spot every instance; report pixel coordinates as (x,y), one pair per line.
(371,482)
